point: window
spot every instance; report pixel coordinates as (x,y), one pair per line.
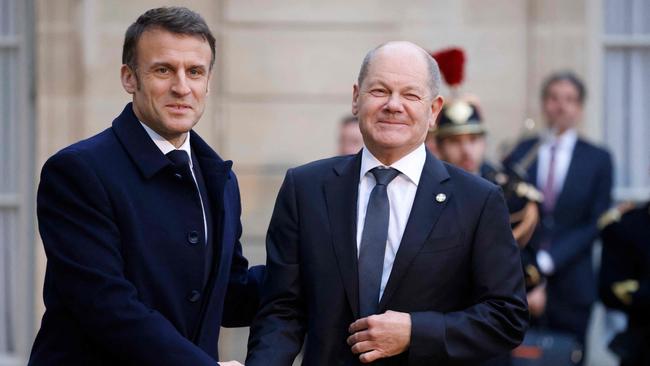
(16,182)
(626,67)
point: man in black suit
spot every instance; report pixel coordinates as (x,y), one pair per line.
(576,179)
(140,223)
(389,256)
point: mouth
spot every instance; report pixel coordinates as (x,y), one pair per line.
(391,122)
(178,107)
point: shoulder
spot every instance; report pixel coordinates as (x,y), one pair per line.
(469,184)
(596,150)
(521,148)
(322,167)
(84,153)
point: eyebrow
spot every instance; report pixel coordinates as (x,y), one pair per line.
(170,66)
(407,88)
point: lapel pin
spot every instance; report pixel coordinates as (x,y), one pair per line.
(441,197)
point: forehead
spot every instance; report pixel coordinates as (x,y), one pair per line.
(159,45)
(399,67)
(464,138)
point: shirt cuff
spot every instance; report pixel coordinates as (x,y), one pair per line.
(545,262)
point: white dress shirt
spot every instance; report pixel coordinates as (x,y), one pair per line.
(564,145)
(165,147)
(563,153)
(401,193)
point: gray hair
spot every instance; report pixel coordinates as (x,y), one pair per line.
(434,71)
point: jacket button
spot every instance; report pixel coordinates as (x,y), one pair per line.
(194,296)
(193,237)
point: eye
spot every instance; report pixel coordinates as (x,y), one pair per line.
(195,72)
(379,92)
(162,70)
(413,97)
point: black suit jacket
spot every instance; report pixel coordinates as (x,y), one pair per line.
(457,271)
(571,228)
(124,237)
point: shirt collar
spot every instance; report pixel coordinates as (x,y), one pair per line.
(565,141)
(166,146)
(410,165)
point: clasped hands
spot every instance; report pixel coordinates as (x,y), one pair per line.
(380,336)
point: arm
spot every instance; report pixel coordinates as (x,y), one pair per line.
(579,240)
(619,264)
(242,297)
(85,270)
(498,319)
(278,330)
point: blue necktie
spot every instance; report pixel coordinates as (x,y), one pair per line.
(373,242)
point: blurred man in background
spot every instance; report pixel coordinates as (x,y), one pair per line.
(350,139)
(576,180)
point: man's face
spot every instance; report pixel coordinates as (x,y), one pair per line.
(170,82)
(561,106)
(394,104)
(350,139)
(464,151)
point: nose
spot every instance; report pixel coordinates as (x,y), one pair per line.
(394,103)
(180,86)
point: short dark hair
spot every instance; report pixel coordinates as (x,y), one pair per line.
(565,76)
(174,19)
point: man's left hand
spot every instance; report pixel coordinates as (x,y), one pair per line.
(380,336)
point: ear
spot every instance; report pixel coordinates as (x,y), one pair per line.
(207,87)
(129,79)
(436,106)
(355,99)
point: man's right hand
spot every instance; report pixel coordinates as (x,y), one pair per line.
(229,363)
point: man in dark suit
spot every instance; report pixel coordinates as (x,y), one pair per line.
(144,260)
(389,254)
(576,179)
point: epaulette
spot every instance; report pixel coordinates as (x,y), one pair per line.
(614,214)
(529,192)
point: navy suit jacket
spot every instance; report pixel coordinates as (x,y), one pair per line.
(123,235)
(571,228)
(457,271)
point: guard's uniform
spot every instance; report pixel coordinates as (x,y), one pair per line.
(625,279)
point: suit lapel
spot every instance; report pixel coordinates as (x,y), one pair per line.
(341,193)
(216,173)
(143,151)
(424,214)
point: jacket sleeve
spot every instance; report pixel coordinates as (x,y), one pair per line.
(499,317)
(85,268)
(578,240)
(278,330)
(620,261)
(242,297)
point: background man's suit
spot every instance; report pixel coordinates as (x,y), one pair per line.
(570,230)
(127,279)
(457,271)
